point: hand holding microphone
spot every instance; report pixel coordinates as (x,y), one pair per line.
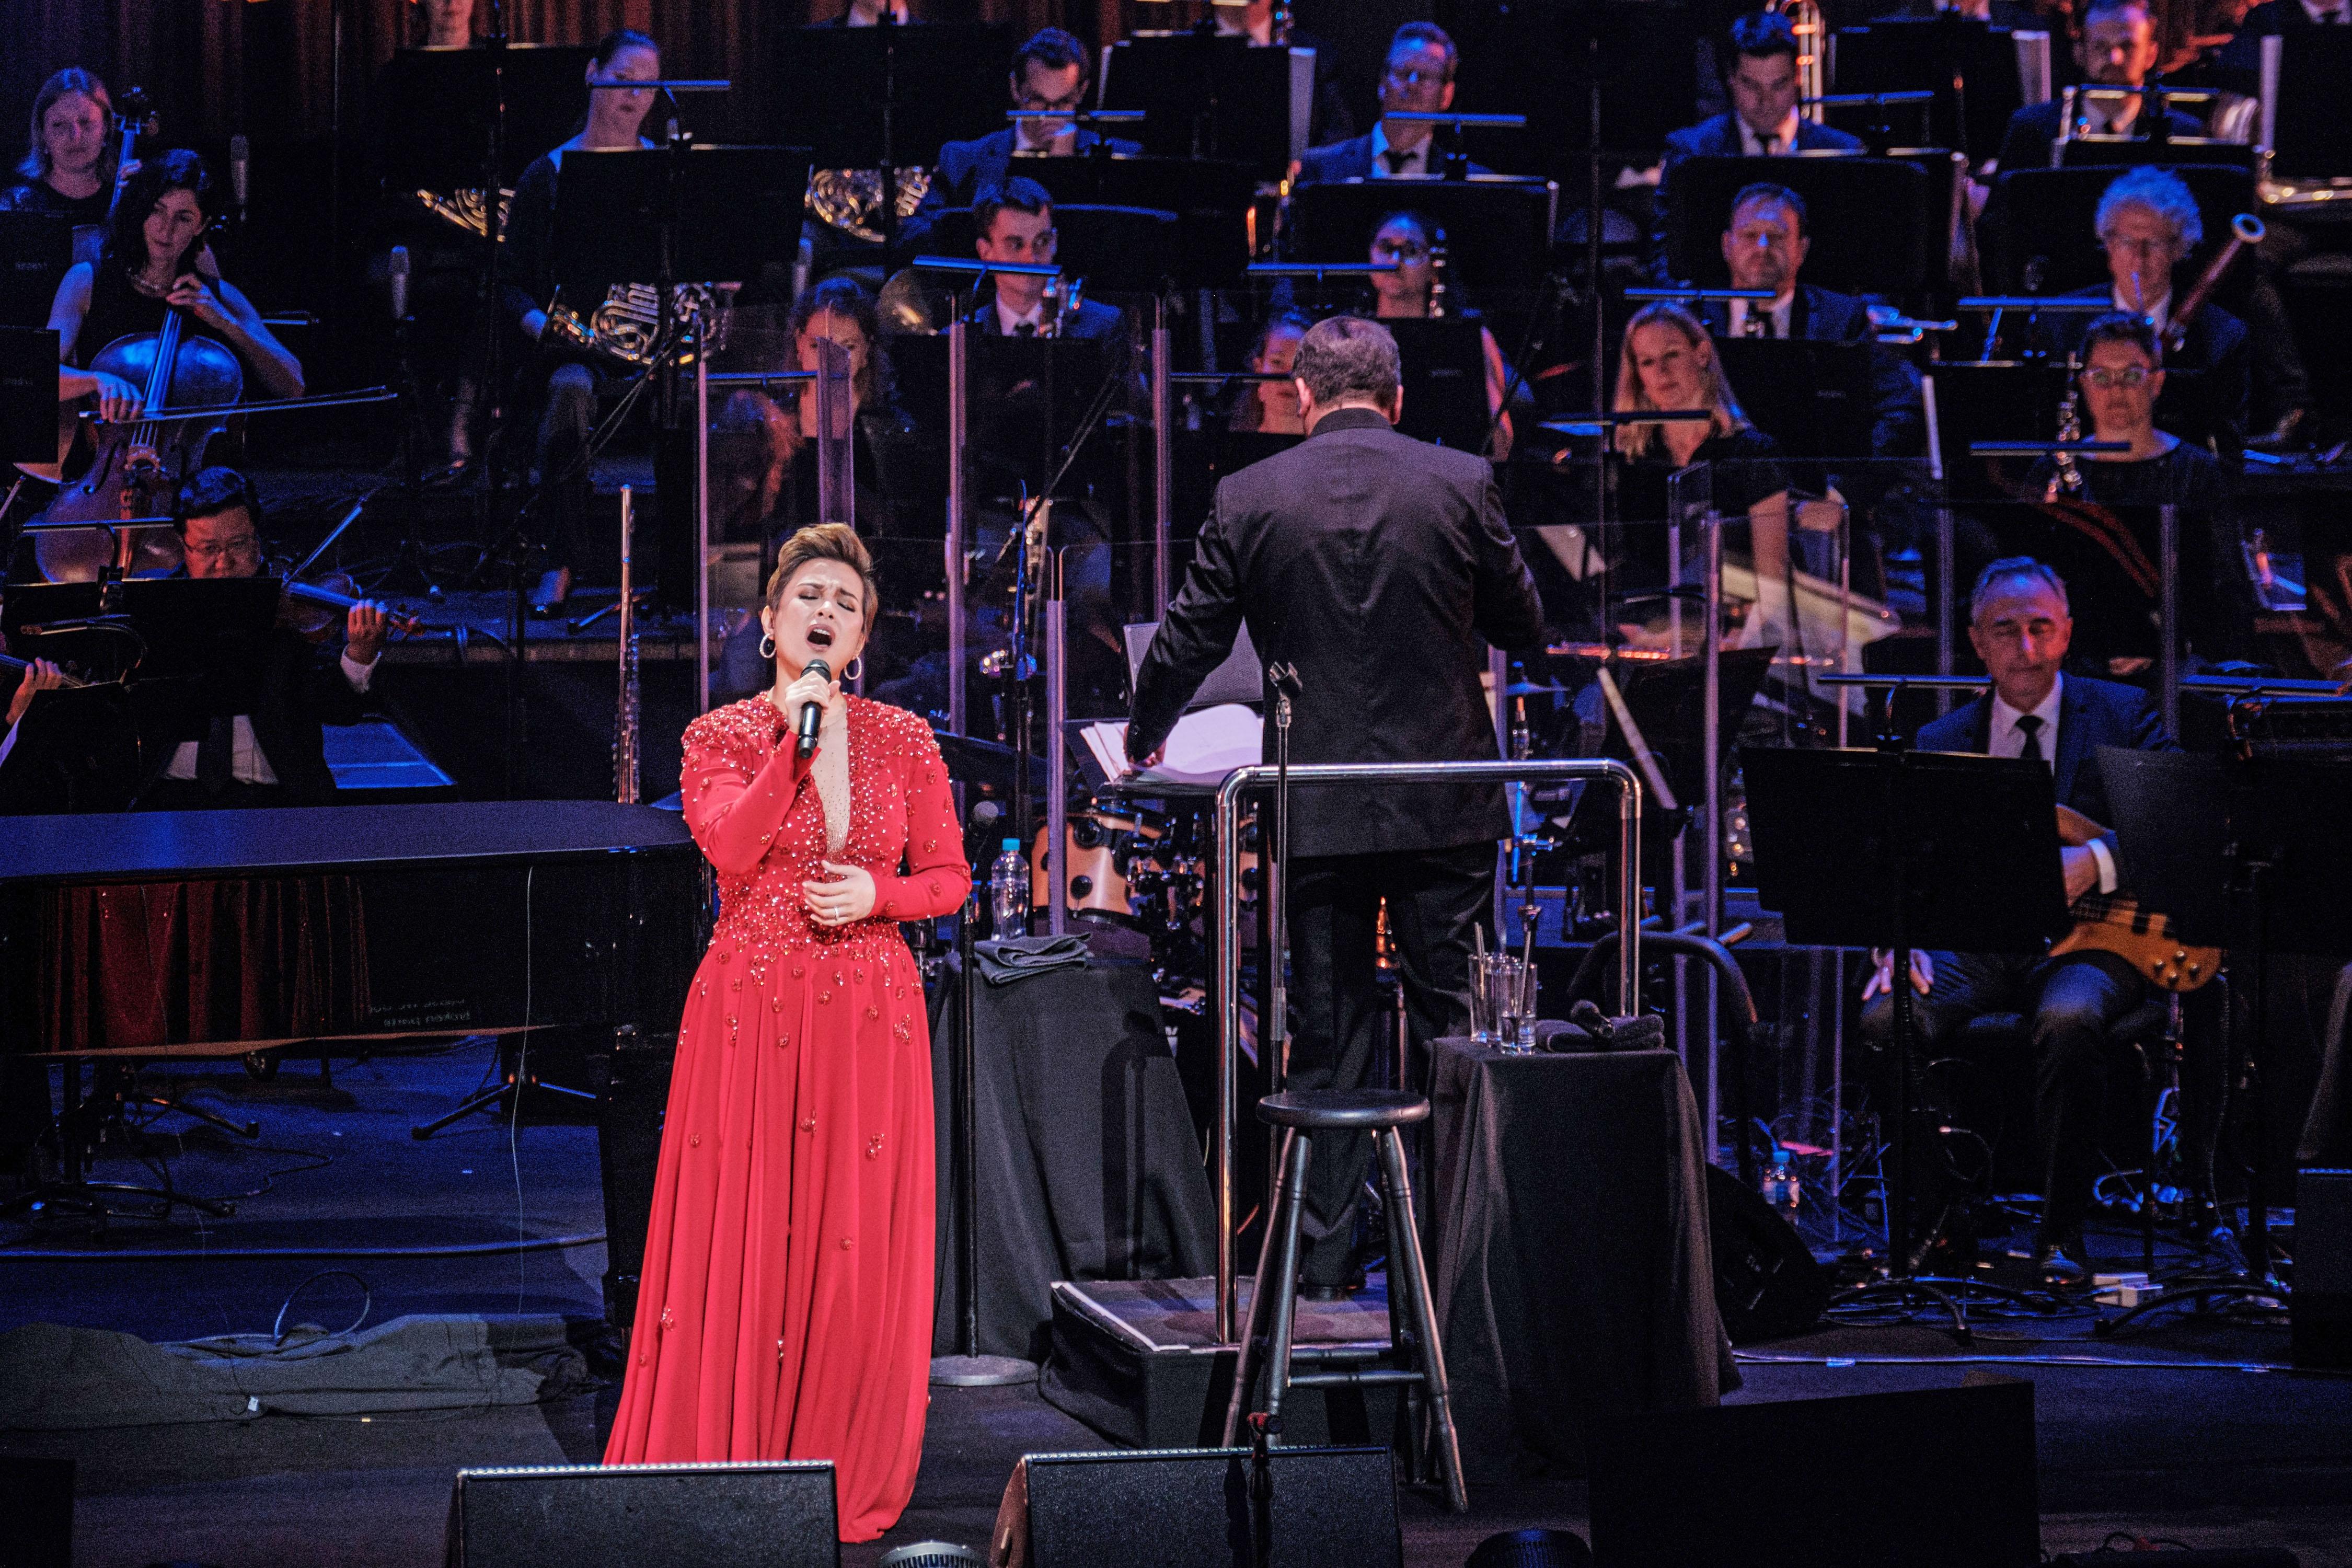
(814,692)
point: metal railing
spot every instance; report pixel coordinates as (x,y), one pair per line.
(1226,928)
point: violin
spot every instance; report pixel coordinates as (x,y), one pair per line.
(316,609)
(25,667)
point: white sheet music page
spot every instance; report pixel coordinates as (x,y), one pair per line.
(1204,746)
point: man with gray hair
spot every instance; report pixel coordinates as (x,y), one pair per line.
(1382,569)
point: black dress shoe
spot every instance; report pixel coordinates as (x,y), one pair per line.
(2292,432)
(2061,1262)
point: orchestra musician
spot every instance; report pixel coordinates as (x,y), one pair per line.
(274,754)
(869,14)
(448,23)
(155,259)
(2115,46)
(1272,406)
(1765,245)
(2021,624)
(1013,223)
(1408,294)
(1763,121)
(2122,387)
(569,387)
(1417,78)
(785,1310)
(1050,72)
(1358,539)
(69,164)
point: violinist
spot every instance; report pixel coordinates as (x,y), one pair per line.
(69,167)
(154,261)
(276,755)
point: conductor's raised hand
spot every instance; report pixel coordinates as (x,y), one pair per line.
(845,896)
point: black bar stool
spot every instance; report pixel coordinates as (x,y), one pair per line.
(1266,1335)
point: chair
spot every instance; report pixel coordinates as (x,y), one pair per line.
(1267,1336)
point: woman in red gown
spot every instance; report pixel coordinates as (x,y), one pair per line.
(785,1304)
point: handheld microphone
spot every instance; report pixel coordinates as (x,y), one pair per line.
(240,154)
(400,282)
(812,713)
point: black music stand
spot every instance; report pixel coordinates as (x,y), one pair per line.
(1211,201)
(1205,95)
(2047,216)
(2310,134)
(35,249)
(2250,854)
(1904,850)
(1498,229)
(1812,397)
(1971,67)
(28,392)
(433,106)
(1871,225)
(75,751)
(1444,382)
(884,98)
(1668,704)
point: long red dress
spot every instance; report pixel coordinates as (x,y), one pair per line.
(784,1309)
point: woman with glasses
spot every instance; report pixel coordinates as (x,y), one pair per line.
(1410,293)
(2120,383)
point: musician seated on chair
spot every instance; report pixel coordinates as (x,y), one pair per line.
(2021,624)
(1417,78)
(1051,72)
(2148,224)
(1013,223)
(1765,244)
(2116,47)
(2121,385)
(274,755)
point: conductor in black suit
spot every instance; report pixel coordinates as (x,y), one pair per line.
(1763,121)
(1382,568)
(1051,72)
(274,754)
(2021,624)
(1764,246)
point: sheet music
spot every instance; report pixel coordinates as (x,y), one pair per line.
(1204,746)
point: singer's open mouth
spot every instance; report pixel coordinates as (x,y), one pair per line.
(820,636)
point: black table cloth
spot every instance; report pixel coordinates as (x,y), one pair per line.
(1570,1263)
(1087,1165)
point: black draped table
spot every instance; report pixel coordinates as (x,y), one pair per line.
(1570,1263)
(1086,1163)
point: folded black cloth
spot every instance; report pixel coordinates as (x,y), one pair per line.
(1015,958)
(1589,1030)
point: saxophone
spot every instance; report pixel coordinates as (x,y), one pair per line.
(627,719)
(2068,479)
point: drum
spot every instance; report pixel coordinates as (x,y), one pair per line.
(1101,852)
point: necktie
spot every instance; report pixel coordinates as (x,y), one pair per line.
(1024,328)
(1396,159)
(216,753)
(2030,726)
(1758,325)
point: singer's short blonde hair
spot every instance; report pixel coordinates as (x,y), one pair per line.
(825,542)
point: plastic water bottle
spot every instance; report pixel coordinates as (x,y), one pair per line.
(1781,1188)
(1008,894)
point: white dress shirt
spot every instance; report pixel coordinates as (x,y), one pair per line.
(2158,311)
(1784,140)
(246,762)
(2007,741)
(1780,310)
(1009,323)
(2327,12)
(1259,33)
(1415,162)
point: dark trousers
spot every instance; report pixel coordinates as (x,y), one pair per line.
(2070,1004)
(1434,897)
(567,418)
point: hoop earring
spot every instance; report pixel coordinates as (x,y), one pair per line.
(855,671)
(767,645)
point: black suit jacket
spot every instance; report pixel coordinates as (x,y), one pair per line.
(1719,138)
(2032,130)
(967,168)
(1899,422)
(1352,160)
(1382,567)
(299,688)
(2091,714)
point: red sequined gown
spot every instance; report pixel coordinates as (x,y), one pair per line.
(785,1304)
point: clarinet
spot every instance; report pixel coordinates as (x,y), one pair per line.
(2068,479)
(1437,274)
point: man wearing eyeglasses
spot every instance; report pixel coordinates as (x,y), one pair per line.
(1418,78)
(1050,76)
(2148,225)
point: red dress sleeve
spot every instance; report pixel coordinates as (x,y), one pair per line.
(937,877)
(735,801)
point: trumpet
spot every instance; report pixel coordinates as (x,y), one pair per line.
(623,331)
(2246,229)
(1065,297)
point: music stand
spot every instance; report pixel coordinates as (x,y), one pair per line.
(74,751)
(1497,229)
(1981,74)
(1029,396)
(1212,201)
(2248,853)
(433,105)
(1667,703)
(1870,219)
(35,249)
(1904,850)
(29,394)
(1812,397)
(884,98)
(2049,216)
(1443,367)
(2303,118)
(1206,95)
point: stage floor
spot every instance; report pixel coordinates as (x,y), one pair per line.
(2171,1446)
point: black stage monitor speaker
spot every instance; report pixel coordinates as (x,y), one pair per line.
(1189,1507)
(764,1514)
(1766,1285)
(36,1500)
(1933,1478)
(2320,1313)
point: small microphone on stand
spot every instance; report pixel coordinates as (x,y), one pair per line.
(240,173)
(812,713)
(400,282)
